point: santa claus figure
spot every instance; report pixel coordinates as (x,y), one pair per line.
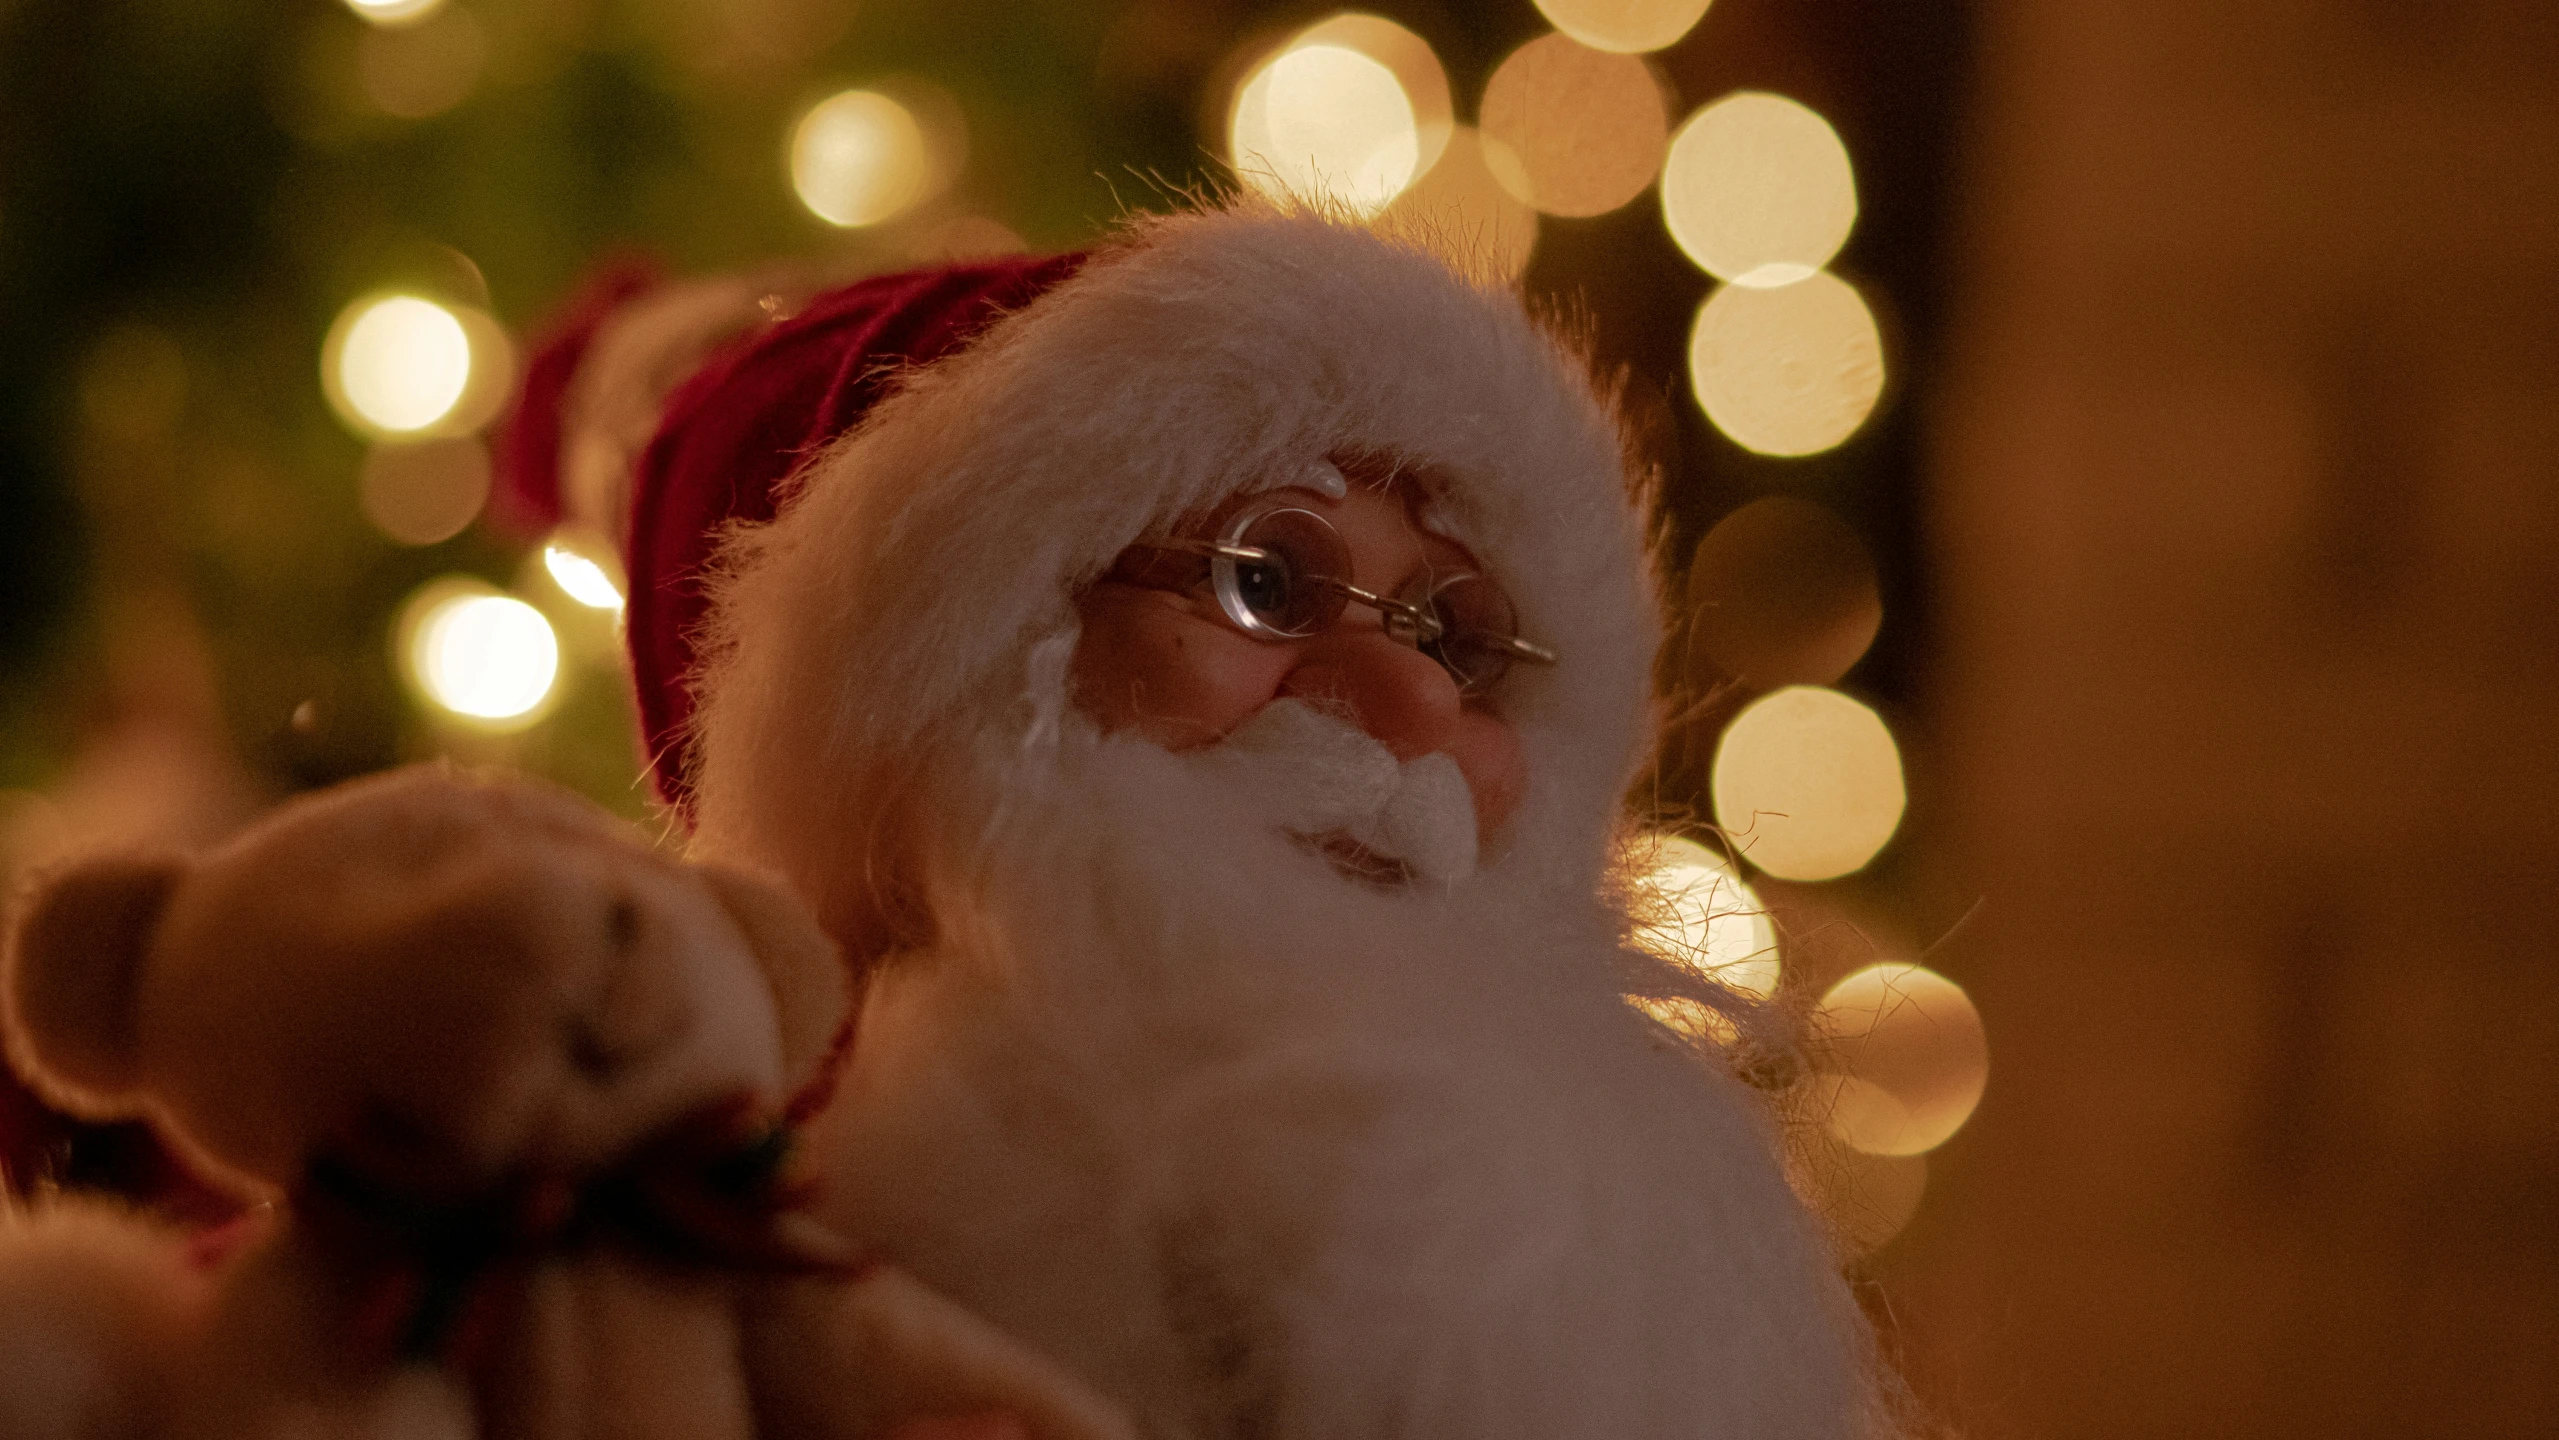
(1196,682)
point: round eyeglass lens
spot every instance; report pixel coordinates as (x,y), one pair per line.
(1476,618)
(1295,590)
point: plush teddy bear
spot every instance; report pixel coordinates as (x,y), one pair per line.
(510,1097)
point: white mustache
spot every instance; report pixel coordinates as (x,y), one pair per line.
(1316,775)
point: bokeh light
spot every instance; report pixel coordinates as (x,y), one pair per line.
(1781,592)
(414,72)
(1758,191)
(858,158)
(1908,1059)
(484,657)
(582,575)
(1694,910)
(1789,371)
(1627,26)
(395,12)
(490,386)
(1466,214)
(1416,67)
(1808,784)
(396,364)
(1865,1200)
(424,492)
(1328,121)
(1576,131)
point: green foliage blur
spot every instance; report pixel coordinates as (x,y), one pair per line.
(191,190)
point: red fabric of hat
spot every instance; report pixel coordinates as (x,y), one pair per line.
(525,501)
(732,433)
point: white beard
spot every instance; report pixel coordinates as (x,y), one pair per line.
(1316,777)
(1266,1152)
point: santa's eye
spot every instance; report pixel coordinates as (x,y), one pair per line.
(1263,586)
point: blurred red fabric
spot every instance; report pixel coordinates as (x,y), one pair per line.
(748,418)
(524,501)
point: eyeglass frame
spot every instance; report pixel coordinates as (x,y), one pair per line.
(1401,620)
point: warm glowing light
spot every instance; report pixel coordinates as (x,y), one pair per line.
(1781,592)
(1791,371)
(1576,131)
(1694,910)
(1911,1059)
(1464,213)
(581,577)
(1325,121)
(491,386)
(1865,1199)
(859,158)
(1416,68)
(1808,783)
(483,656)
(396,364)
(1757,189)
(395,12)
(424,492)
(1627,26)
(415,71)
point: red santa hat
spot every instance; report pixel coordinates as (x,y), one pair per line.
(767,395)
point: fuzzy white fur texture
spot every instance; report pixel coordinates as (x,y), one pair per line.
(1314,774)
(1263,1151)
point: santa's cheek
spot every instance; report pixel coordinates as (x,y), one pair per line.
(1146,664)
(1488,753)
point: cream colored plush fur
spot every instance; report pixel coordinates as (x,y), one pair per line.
(450,989)
(1262,1151)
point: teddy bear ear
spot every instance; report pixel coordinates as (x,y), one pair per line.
(71,977)
(806,971)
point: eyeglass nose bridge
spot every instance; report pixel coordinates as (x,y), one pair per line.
(1403,621)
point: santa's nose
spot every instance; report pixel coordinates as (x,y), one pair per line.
(1398,695)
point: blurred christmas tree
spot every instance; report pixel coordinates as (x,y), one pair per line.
(204,564)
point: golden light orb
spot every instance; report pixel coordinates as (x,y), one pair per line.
(486,658)
(396,364)
(1693,910)
(581,575)
(1789,371)
(1781,592)
(1808,783)
(1911,1059)
(859,158)
(426,491)
(1626,26)
(418,71)
(1865,1200)
(1575,131)
(1416,68)
(1463,212)
(1325,121)
(1757,189)
(395,12)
